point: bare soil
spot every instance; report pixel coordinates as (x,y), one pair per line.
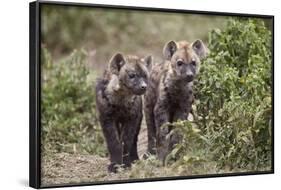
(65,168)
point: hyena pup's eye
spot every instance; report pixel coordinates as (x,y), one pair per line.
(180,63)
(132,75)
(193,62)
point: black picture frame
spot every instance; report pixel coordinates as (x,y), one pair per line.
(35,91)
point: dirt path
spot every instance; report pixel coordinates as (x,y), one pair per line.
(63,168)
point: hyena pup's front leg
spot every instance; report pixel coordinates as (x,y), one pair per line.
(114,145)
(129,143)
(134,150)
(161,118)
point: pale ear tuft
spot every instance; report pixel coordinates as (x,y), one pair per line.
(116,62)
(200,49)
(169,49)
(148,61)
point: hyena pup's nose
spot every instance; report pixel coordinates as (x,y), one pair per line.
(143,85)
(189,76)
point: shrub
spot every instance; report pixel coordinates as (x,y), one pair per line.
(232,126)
(69,123)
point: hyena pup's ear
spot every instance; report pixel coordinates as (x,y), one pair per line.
(116,62)
(169,49)
(148,61)
(200,49)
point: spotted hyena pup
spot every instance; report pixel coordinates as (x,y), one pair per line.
(119,106)
(169,93)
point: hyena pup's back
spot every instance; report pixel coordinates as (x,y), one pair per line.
(119,106)
(169,93)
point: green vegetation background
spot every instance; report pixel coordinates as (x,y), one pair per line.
(232,126)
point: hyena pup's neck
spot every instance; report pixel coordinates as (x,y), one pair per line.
(116,92)
(171,83)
